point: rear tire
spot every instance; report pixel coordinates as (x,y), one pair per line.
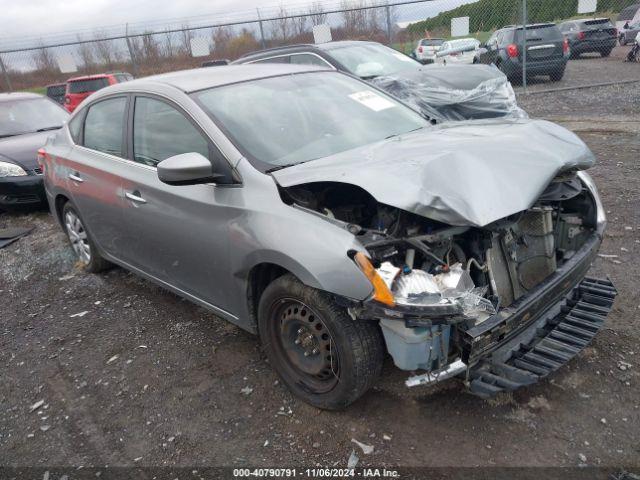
(81,242)
(321,354)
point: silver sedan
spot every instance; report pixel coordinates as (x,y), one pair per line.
(306,206)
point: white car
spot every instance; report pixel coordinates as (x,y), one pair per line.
(463,51)
(426,49)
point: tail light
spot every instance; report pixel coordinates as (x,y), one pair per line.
(42,157)
(420,49)
(512,50)
(67,99)
(565,46)
(581,35)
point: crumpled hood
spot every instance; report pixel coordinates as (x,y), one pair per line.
(466,173)
(23,149)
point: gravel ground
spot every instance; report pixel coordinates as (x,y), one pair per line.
(111,370)
(591,69)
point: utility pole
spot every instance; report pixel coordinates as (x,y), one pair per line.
(131,54)
(262,40)
(389,32)
(6,75)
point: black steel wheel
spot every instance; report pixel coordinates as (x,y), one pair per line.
(322,354)
(302,338)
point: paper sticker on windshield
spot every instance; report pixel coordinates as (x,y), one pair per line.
(404,58)
(371,100)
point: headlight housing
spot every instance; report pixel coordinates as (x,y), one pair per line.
(601,217)
(11,170)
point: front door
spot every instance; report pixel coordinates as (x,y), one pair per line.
(177,234)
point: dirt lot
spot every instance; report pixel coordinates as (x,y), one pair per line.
(145,378)
(589,69)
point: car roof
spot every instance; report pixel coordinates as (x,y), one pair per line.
(530,25)
(5,97)
(97,75)
(202,78)
(310,46)
(582,20)
(461,40)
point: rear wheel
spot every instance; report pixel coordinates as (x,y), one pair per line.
(622,41)
(322,354)
(81,242)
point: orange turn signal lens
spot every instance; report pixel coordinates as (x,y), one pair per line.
(382,293)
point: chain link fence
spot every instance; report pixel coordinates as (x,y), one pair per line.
(144,50)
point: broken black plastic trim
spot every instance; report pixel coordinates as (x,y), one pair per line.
(560,338)
(479,341)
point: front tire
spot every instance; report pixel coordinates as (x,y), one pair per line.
(605,53)
(81,242)
(321,354)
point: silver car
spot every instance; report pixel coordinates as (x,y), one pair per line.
(306,206)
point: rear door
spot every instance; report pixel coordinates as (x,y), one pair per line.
(92,170)
(177,234)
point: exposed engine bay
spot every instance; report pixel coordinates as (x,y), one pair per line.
(460,276)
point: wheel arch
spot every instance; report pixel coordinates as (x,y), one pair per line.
(58,204)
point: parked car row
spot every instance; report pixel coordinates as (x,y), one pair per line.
(26,119)
(71,93)
(548,46)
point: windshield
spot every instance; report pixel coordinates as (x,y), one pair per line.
(371,60)
(29,115)
(292,119)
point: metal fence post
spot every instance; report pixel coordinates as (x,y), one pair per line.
(389,31)
(134,65)
(262,40)
(524,45)
(6,75)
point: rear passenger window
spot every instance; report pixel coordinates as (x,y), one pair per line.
(160,131)
(307,59)
(103,126)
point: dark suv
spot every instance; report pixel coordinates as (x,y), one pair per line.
(547,51)
(590,36)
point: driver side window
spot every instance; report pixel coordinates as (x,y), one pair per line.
(160,131)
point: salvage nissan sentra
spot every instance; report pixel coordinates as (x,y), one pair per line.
(339,224)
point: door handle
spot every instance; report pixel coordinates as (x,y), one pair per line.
(135,197)
(75,177)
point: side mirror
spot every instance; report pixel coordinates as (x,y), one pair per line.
(186,169)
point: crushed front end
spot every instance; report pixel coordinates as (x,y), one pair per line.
(501,305)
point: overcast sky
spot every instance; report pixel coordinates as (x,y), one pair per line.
(25,21)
